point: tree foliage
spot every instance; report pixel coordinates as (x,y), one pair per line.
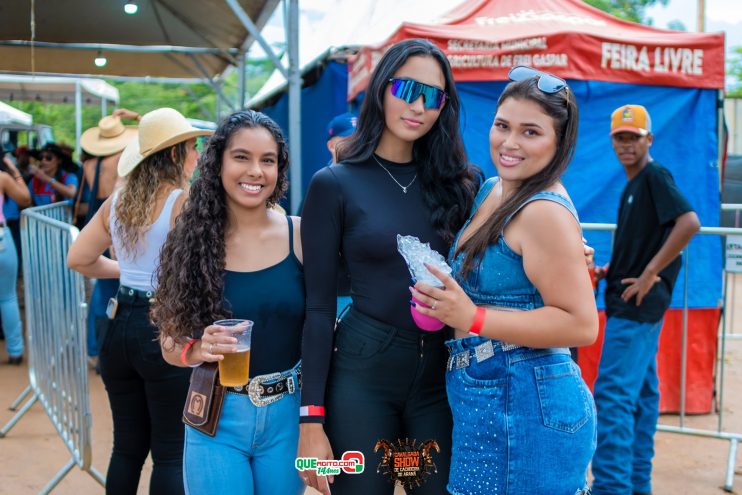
(735,72)
(196,101)
(630,10)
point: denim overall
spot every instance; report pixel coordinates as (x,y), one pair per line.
(524,420)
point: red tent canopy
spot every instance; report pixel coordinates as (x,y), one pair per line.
(484,38)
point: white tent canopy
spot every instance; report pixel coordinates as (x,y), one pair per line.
(50,89)
(55,89)
(11,115)
(339,24)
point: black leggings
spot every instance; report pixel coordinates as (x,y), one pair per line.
(147,397)
(387,383)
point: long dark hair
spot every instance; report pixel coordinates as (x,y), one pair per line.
(448,182)
(190,288)
(562,108)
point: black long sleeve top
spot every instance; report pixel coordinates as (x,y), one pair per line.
(357,210)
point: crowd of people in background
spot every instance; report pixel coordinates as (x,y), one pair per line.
(339,360)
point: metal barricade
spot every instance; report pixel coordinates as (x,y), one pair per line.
(723,335)
(55,329)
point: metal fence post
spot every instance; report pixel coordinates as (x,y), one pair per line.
(56,335)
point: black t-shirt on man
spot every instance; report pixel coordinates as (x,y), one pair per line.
(650,203)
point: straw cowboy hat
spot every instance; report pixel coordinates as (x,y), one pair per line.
(158,129)
(109,138)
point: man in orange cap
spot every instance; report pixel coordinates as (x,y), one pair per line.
(655,223)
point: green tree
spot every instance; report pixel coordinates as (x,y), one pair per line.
(735,71)
(630,10)
(196,101)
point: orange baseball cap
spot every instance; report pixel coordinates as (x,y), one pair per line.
(631,118)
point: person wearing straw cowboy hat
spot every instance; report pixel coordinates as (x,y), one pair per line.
(104,143)
(146,394)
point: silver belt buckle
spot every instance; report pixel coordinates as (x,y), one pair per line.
(253,390)
(510,347)
(484,351)
(460,360)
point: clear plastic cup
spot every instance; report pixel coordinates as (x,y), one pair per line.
(234,369)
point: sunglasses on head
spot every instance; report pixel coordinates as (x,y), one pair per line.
(547,83)
(410,90)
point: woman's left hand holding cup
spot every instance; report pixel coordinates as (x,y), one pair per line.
(451,305)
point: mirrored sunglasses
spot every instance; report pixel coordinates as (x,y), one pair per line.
(547,83)
(410,90)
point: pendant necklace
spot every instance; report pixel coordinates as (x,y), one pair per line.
(404,188)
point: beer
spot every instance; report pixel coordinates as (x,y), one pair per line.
(234,368)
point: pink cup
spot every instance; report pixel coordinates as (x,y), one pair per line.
(425,322)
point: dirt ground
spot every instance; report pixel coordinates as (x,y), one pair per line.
(32,453)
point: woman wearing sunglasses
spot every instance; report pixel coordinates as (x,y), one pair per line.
(403,171)
(524,421)
(54,179)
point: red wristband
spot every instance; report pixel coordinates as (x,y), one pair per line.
(184,352)
(476,326)
(311,411)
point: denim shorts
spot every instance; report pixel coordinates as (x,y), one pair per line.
(523,420)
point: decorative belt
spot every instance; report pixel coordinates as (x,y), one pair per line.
(270,388)
(480,353)
(129,295)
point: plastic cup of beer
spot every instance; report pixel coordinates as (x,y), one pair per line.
(235,367)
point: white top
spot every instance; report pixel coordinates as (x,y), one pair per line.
(138,266)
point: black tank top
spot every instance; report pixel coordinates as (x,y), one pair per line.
(273,298)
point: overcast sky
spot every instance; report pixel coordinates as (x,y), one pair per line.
(721,15)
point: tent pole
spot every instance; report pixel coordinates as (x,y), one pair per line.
(78,116)
(295,82)
(217,90)
(255,32)
(103,102)
(701,16)
(217,86)
(241,81)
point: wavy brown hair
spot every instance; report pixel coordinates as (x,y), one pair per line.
(562,108)
(137,198)
(190,291)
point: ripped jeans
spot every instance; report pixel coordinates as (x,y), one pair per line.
(523,420)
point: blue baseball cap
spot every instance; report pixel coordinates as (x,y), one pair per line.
(342,125)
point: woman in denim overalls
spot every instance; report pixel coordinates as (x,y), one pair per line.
(524,421)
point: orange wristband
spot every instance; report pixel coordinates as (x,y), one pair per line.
(184,353)
(476,326)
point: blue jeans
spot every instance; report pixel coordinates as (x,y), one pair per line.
(11,315)
(627,397)
(253,451)
(523,421)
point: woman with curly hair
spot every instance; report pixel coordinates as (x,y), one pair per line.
(146,394)
(231,255)
(403,171)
